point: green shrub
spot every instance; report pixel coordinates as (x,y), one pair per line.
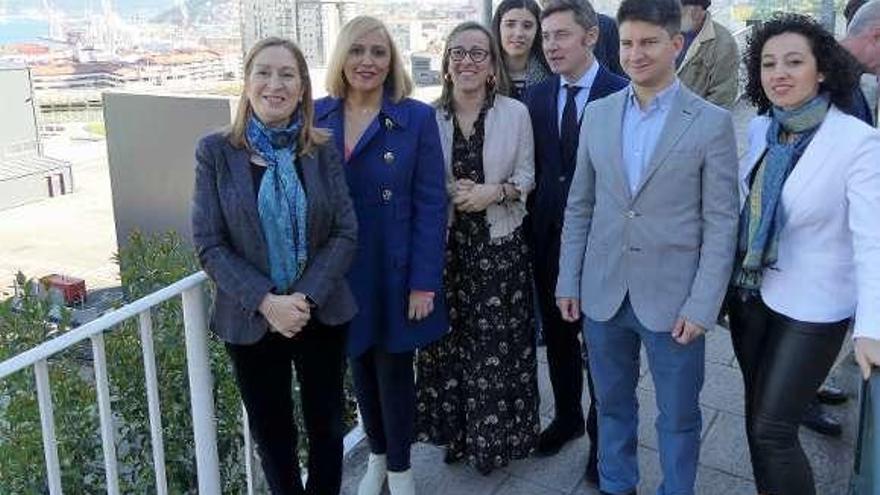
(147,264)
(24,324)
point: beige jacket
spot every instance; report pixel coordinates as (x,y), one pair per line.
(508,156)
(711,65)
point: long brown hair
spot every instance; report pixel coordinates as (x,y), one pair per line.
(309,136)
(532,7)
(502,83)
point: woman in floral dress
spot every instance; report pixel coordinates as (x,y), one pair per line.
(477,390)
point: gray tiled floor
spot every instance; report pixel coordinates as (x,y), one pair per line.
(724,464)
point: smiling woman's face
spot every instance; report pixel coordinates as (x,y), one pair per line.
(468,75)
(789,72)
(368,62)
(274,86)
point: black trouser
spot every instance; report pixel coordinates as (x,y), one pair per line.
(565,360)
(385,386)
(783,362)
(263,372)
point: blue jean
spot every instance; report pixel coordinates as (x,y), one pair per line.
(677,371)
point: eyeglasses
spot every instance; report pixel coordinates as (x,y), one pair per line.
(477,55)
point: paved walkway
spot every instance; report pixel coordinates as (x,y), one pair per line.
(72,234)
(724,460)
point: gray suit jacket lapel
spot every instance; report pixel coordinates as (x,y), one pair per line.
(681,116)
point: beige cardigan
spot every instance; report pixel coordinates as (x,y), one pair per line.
(508,156)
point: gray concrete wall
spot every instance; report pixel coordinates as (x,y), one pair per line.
(150,148)
(21,190)
(33,187)
(19,122)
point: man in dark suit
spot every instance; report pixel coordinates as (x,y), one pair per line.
(570,30)
(607,49)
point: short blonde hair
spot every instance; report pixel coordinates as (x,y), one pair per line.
(397,83)
(309,136)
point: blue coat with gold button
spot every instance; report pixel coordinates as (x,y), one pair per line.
(396,180)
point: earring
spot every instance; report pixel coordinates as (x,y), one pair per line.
(491,81)
(447,77)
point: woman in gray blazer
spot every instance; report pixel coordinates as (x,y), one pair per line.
(274,228)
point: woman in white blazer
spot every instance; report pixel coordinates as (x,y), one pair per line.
(808,257)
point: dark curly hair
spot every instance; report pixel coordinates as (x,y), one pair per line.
(832,60)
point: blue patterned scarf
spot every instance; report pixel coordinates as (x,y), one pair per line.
(281,200)
(762,218)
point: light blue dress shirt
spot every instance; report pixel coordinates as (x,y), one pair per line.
(586,83)
(642,129)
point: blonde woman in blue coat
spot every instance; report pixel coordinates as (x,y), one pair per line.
(394,166)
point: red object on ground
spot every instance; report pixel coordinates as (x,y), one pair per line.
(72,289)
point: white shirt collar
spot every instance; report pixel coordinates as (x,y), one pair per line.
(586,81)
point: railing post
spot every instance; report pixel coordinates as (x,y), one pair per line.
(47,421)
(108,438)
(201,390)
(145,323)
(248,451)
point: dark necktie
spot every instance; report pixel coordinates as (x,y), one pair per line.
(568,134)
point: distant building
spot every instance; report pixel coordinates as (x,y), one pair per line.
(25,173)
(424,69)
(262,18)
(312,24)
(161,69)
(72,75)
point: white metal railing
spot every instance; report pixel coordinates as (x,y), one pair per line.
(190,289)
(18,148)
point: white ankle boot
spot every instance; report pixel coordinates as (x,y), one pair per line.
(401,483)
(374,478)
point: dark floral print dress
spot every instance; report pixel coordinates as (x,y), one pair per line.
(477,390)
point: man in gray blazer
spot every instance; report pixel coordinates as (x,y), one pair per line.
(647,246)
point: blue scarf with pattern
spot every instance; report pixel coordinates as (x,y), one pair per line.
(762,218)
(281,200)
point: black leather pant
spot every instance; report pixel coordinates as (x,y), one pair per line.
(264,375)
(783,362)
